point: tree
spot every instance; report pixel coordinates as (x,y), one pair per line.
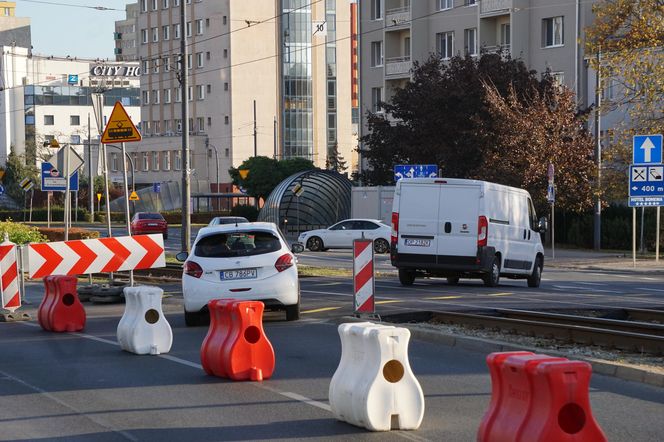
(628,36)
(266,173)
(15,171)
(434,118)
(335,161)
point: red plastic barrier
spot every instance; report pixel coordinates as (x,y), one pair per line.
(236,346)
(61,310)
(538,398)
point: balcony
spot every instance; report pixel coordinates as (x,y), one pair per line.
(398,66)
(503,50)
(398,16)
(495,7)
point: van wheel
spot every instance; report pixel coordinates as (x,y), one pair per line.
(453,280)
(381,246)
(293,312)
(315,244)
(406,277)
(536,277)
(492,278)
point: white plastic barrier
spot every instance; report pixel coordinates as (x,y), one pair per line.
(374,386)
(143,328)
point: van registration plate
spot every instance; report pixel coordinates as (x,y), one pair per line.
(418,242)
(228,275)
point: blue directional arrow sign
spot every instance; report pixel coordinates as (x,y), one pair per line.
(52,180)
(646,185)
(647,149)
(415,171)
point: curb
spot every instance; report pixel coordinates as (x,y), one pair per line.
(481,345)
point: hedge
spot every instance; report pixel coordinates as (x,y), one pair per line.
(58,234)
(40,214)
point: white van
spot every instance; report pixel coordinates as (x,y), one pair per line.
(458,228)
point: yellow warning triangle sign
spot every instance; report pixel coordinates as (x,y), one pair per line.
(134,196)
(119,128)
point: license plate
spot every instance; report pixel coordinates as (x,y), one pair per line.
(228,275)
(418,242)
(152,224)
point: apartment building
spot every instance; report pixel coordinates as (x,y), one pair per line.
(14,31)
(266,77)
(125,35)
(42,98)
(544,34)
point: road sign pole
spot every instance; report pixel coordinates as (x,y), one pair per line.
(657,238)
(32,194)
(48,209)
(67,196)
(553,230)
(634,236)
(126,198)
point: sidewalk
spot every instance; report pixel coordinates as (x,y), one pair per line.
(617,261)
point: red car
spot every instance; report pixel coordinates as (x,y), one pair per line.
(148,222)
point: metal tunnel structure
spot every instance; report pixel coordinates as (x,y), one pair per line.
(324,199)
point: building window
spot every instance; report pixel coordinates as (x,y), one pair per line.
(146,97)
(209,88)
(49,120)
(199,60)
(167,126)
(225,86)
(376,53)
(505,34)
(199,27)
(209,121)
(176,3)
(178,160)
(155,96)
(144,36)
(166,32)
(200,124)
(188,29)
(226,119)
(376,9)
(144,162)
(155,160)
(470,41)
(114,162)
(166,160)
(376,98)
(154,5)
(167,95)
(144,5)
(178,94)
(74,120)
(559,79)
(223,20)
(445,4)
(190,61)
(552,32)
(225,53)
(176,30)
(155,35)
(145,67)
(445,44)
(164,4)
(200,92)
(469,2)
(156,127)
(75,139)
(178,125)
(190,93)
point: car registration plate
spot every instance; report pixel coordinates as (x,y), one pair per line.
(153,224)
(418,242)
(228,275)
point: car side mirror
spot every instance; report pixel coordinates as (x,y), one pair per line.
(182,256)
(297,248)
(542,225)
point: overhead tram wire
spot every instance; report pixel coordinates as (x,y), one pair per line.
(98,8)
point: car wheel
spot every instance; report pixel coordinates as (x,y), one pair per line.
(293,312)
(315,244)
(492,278)
(195,319)
(453,280)
(536,277)
(381,246)
(165,236)
(406,277)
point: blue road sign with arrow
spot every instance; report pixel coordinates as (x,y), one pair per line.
(415,171)
(647,149)
(646,185)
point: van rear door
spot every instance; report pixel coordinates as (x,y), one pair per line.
(458,212)
(418,227)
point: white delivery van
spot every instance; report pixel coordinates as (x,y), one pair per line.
(458,228)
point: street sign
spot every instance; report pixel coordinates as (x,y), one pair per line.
(134,196)
(646,185)
(98,197)
(243,173)
(58,160)
(298,190)
(26,184)
(415,171)
(52,181)
(647,149)
(551,194)
(72,79)
(156,187)
(120,128)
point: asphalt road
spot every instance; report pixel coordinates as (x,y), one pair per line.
(81,386)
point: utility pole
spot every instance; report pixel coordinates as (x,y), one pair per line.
(597,218)
(255,133)
(184,82)
(91,186)
(276,157)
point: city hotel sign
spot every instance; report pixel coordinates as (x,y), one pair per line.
(115,70)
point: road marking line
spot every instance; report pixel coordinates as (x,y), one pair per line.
(501,294)
(444,297)
(650,290)
(318,310)
(590,283)
(647,278)
(389,301)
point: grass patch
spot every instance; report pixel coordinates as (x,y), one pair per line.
(323,271)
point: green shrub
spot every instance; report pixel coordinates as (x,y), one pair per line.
(249,212)
(40,214)
(20,233)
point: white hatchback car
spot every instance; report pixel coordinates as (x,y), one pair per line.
(342,234)
(250,261)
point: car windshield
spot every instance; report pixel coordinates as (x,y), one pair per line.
(231,244)
(229,220)
(150,216)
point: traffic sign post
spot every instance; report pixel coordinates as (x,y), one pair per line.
(415,171)
(551,198)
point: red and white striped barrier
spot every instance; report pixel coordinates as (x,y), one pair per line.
(363,276)
(100,255)
(11,297)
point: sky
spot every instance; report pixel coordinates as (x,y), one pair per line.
(60,29)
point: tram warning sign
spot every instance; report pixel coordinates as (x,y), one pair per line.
(120,128)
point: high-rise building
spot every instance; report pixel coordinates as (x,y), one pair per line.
(265,77)
(125,35)
(14,31)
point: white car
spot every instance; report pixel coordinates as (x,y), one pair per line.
(342,234)
(250,261)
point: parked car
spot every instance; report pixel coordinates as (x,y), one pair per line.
(227,220)
(149,222)
(342,234)
(458,228)
(249,261)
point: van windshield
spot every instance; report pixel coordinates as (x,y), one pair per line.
(232,244)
